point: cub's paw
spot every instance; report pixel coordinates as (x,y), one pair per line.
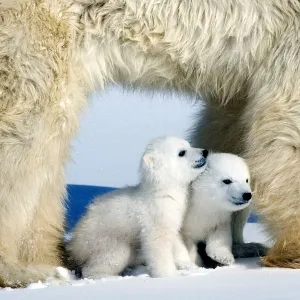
(222,256)
(162,271)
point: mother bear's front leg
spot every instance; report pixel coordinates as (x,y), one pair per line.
(39,103)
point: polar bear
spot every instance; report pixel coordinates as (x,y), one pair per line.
(140,224)
(241,57)
(223,188)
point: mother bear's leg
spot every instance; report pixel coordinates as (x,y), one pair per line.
(25,171)
(219,128)
(273,153)
(38,111)
(34,148)
(43,241)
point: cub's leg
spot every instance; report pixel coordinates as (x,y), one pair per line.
(157,247)
(110,262)
(193,251)
(218,245)
(182,257)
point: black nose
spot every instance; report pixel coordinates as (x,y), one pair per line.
(247,196)
(205,153)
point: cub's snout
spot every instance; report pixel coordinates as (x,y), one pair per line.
(201,162)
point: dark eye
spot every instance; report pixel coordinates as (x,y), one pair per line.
(181,153)
(247,180)
(227,181)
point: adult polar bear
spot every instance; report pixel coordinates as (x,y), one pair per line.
(244,54)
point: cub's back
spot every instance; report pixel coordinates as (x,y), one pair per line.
(113,214)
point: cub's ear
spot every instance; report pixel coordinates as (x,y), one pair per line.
(148,160)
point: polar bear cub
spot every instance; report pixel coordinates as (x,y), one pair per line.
(140,224)
(222,189)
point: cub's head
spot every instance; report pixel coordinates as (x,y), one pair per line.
(226,181)
(172,159)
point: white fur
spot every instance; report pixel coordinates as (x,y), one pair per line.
(242,53)
(208,217)
(140,224)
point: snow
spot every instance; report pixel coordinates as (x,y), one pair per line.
(246,279)
(113,133)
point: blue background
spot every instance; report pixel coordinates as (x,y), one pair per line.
(79,196)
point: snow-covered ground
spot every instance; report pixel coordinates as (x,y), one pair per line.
(246,279)
(114,131)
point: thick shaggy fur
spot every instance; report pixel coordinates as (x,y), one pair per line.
(140,224)
(223,188)
(244,54)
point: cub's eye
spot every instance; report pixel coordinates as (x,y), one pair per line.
(227,181)
(247,180)
(181,153)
